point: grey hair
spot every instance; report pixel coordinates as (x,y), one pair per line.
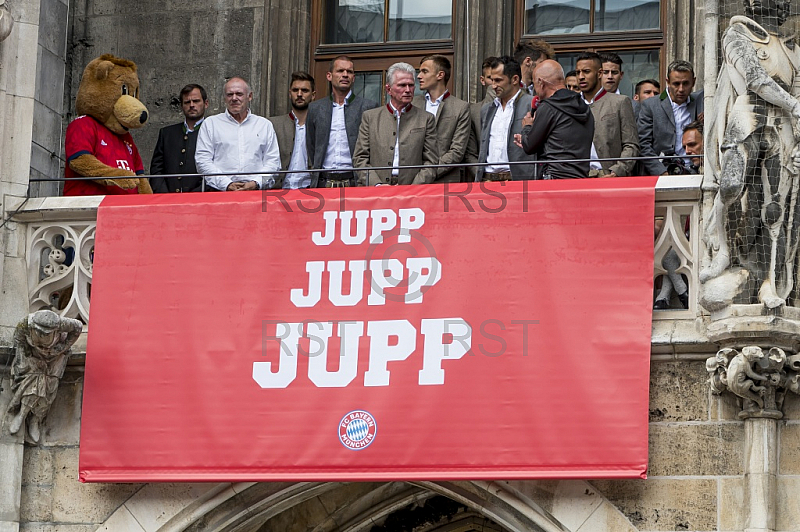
(680,66)
(399,67)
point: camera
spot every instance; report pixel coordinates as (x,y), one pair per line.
(678,166)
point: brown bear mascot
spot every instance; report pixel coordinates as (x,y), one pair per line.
(98,143)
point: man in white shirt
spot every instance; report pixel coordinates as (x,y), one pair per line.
(453,120)
(501,119)
(291,131)
(238,142)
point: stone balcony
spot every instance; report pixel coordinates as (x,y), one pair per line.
(59,237)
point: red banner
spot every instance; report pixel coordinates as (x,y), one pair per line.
(391,333)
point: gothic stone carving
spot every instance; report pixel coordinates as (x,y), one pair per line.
(6,21)
(42,344)
(755,129)
(760,378)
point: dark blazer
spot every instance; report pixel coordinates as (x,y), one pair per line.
(376,140)
(453,132)
(615,132)
(657,130)
(174,154)
(318,127)
(522,106)
(284,130)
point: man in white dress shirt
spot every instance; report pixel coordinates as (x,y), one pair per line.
(236,142)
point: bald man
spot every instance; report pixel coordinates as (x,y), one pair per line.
(561,128)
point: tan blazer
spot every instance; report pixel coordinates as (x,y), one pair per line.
(453,131)
(615,132)
(376,140)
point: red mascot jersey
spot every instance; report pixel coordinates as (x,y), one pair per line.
(85,135)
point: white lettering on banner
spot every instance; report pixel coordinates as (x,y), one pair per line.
(383,221)
(423,272)
(390,341)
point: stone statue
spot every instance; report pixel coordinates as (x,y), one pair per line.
(761,378)
(6,21)
(754,221)
(42,344)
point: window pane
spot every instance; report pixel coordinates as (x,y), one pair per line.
(349,21)
(418,20)
(557,16)
(369,85)
(637,65)
(620,15)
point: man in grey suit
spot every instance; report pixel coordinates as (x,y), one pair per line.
(615,133)
(501,119)
(399,134)
(291,132)
(453,121)
(662,119)
(645,89)
(332,127)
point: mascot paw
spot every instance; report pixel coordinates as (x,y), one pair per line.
(126,183)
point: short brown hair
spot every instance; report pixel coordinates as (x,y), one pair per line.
(338,58)
(300,75)
(533,48)
(441,63)
(189,88)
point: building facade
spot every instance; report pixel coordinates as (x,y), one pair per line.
(709,468)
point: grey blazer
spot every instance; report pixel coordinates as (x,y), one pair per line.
(318,127)
(522,106)
(615,133)
(453,131)
(657,130)
(376,140)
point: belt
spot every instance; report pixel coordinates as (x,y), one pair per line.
(335,179)
(497,176)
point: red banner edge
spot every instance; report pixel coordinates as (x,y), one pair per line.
(584,474)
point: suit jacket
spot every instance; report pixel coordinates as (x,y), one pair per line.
(657,130)
(615,132)
(453,132)
(284,126)
(376,140)
(174,154)
(318,127)
(522,106)
(473,148)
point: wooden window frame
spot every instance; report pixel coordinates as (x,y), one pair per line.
(371,57)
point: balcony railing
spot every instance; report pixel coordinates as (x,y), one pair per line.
(60,233)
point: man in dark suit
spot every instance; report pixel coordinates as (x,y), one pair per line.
(615,133)
(475,114)
(453,121)
(291,132)
(398,134)
(174,152)
(662,119)
(645,89)
(529,53)
(501,119)
(332,127)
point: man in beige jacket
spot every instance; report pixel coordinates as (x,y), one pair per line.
(397,134)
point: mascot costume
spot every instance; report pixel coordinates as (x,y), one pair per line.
(98,142)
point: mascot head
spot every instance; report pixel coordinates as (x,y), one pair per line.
(109,93)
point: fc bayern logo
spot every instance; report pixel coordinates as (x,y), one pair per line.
(357,430)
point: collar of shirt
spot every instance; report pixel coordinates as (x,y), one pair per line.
(599,94)
(347,99)
(497,102)
(231,118)
(438,100)
(678,105)
(187,129)
(394,111)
